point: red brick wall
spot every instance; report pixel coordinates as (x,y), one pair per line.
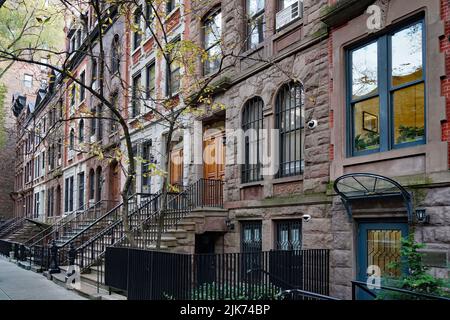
(445,83)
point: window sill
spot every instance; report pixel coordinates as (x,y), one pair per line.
(295,178)
(251,51)
(386,155)
(134,51)
(171,14)
(251,184)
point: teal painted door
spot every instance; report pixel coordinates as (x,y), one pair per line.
(379,245)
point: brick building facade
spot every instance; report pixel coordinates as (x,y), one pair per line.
(358,129)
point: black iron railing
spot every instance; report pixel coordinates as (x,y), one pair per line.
(7,223)
(63,224)
(91,251)
(62,232)
(14,226)
(382,292)
(207,193)
(6,247)
(144,274)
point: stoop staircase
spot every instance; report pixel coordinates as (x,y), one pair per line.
(179,224)
(37,247)
(147,219)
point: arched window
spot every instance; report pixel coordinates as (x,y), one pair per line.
(252,123)
(81,131)
(115,54)
(91,184)
(99,184)
(290,123)
(72,139)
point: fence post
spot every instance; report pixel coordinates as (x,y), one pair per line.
(54,268)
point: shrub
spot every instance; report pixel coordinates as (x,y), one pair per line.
(417,278)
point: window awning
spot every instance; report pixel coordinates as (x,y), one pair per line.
(363,186)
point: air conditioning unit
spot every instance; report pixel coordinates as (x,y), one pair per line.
(289,14)
(95,85)
(71,154)
(93,138)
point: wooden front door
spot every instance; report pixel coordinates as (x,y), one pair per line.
(214,156)
(114,183)
(176,167)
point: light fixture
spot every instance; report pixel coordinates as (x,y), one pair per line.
(422,216)
(229,224)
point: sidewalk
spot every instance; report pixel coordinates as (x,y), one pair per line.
(19,284)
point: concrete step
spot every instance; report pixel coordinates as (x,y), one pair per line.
(87,287)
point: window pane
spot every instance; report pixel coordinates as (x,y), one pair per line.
(213,29)
(256,31)
(254,6)
(407,55)
(364,71)
(409,115)
(366,117)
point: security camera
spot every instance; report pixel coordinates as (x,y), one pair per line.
(312,124)
(306,217)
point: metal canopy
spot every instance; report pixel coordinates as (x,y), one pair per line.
(360,186)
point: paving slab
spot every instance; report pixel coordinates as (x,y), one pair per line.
(19,284)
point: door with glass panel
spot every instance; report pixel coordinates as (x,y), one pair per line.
(379,246)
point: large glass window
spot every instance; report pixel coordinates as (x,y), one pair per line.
(72,139)
(115,54)
(387,92)
(136,96)
(81,131)
(80,190)
(137,34)
(82,86)
(146,167)
(150,81)
(173,73)
(91,184)
(290,123)
(252,123)
(212,36)
(100,115)
(256,22)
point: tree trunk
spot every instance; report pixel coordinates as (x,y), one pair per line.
(164,191)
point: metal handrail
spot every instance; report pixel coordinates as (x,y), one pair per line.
(111,229)
(7,223)
(293,289)
(73,216)
(364,286)
(12,227)
(59,224)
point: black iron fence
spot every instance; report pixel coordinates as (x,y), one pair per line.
(152,275)
(6,247)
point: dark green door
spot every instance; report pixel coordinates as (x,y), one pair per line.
(379,245)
